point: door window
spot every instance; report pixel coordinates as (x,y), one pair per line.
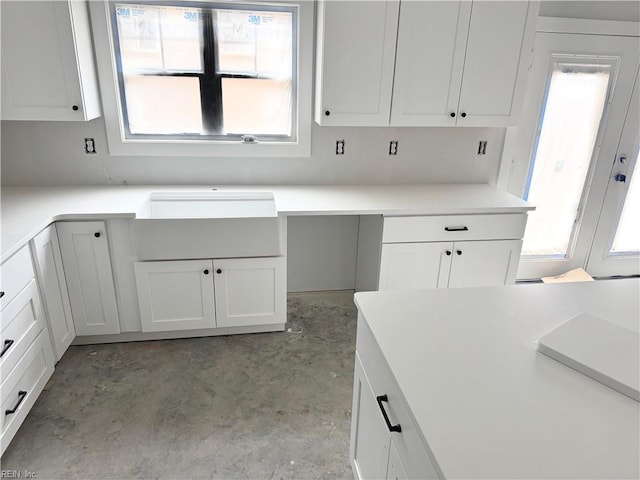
(573,111)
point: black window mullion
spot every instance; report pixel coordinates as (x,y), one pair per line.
(210,81)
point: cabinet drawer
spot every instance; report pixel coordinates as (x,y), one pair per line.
(21,323)
(409,442)
(15,274)
(454,228)
(21,388)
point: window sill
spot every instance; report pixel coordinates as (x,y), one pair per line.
(208,149)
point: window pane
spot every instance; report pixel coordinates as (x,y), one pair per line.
(232,67)
(159,38)
(570,121)
(627,237)
(163,105)
(260,106)
(255,42)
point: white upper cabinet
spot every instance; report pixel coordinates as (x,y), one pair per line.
(48,70)
(355,54)
(432,38)
(456,62)
(496,63)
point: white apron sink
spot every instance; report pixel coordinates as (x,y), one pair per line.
(203,205)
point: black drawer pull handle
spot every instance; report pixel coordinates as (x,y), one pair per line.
(21,396)
(219,271)
(392,428)
(1,294)
(456,229)
(448,252)
(97,234)
(7,346)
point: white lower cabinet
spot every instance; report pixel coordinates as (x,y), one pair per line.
(395,469)
(87,267)
(200,294)
(53,287)
(482,250)
(487,263)
(23,386)
(370,438)
(175,295)
(448,264)
(385,441)
(26,360)
(250,291)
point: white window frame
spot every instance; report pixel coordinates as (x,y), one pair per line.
(111,104)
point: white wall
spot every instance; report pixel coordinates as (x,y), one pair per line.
(51,153)
(321,253)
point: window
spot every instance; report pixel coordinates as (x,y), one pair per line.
(205,78)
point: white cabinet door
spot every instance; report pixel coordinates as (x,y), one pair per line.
(462,63)
(175,295)
(446,264)
(355,59)
(369,445)
(87,268)
(432,38)
(477,264)
(415,265)
(496,62)
(250,291)
(395,470)
(48,70)
(55,297)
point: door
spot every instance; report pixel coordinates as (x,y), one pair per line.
(87,268)
(432,38)
(356,51)
(55,296)
(415,265)
(250,291)
(369,445)
(175,295)
(616,246)
(479,264)
(579,91)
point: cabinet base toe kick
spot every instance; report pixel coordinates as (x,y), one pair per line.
(146,336)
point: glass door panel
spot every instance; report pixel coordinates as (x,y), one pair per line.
(627,237)
(571,118)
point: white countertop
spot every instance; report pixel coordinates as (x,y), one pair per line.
(488,404)
(27,210)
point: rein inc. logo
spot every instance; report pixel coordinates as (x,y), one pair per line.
(18,474)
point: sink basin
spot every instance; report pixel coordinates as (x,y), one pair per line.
(207,224)
(178,205)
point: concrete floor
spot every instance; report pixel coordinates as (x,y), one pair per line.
(274,405)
